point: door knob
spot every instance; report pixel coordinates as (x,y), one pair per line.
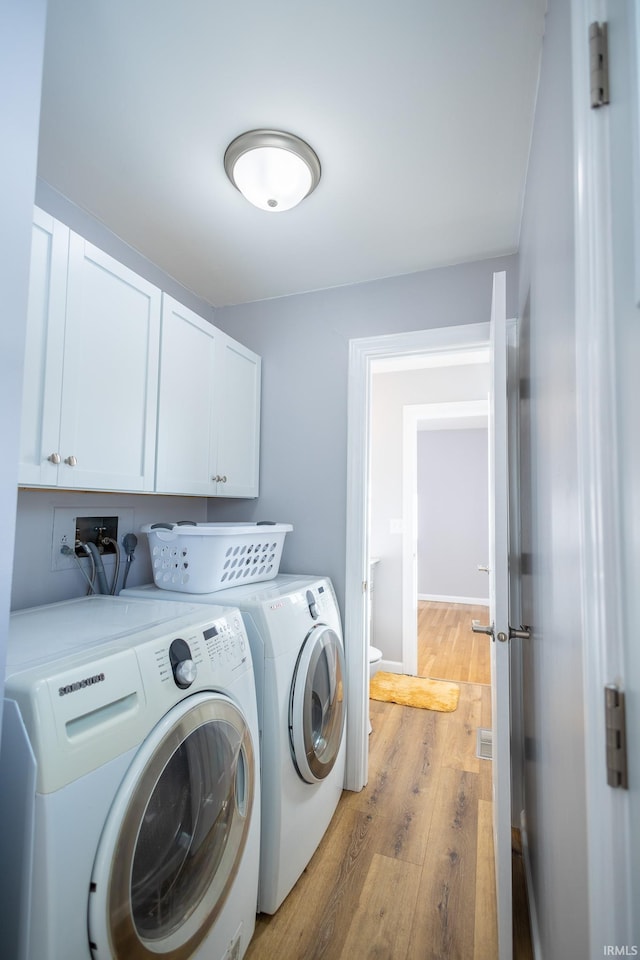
(72,461)
(522,633)
(54,458)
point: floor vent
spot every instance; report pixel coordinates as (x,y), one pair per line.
(484,744)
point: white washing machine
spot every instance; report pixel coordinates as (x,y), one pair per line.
(293,624)
(132,750)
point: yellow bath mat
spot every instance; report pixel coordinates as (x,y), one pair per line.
(414,691)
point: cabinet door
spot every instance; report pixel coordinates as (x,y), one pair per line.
(42,385)
(187,430)
(238,411)
(109,393)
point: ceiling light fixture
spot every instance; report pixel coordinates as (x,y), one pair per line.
(272,169)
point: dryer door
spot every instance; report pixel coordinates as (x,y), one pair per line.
(174,837)
(317,705)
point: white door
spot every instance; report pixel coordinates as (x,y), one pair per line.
(498,627)
(624,667)
(607,345)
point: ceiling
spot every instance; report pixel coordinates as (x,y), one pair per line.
(420,112)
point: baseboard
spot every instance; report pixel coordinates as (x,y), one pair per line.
(533,914)
(471,601)
(389,666)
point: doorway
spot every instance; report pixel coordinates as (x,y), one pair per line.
(436,401)
(431,346)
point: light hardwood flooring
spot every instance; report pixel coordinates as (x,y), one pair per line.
(447,647)
(405,870)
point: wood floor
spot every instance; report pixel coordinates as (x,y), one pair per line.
(447,647)
(405,870)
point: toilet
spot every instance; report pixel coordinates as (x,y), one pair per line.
(375,656)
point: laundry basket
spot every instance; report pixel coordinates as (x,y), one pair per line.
(205,557)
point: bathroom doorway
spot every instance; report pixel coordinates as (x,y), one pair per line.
(428,414)
(435,349)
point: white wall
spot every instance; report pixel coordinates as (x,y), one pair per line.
(304,343)
(453,522)
(554,773)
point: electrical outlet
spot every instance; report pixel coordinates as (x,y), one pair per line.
(71,524)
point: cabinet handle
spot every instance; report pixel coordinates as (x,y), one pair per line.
(54,458)
(223,479)
(218,479)
(71,461)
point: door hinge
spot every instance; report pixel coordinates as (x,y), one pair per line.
(599,64)
(616,731)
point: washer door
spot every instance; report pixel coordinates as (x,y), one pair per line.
(174,837)
(317,705)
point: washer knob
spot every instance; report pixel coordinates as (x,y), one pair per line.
(184,669)
(313,606)
(185,673)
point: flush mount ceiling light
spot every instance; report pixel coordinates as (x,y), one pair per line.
(272,169)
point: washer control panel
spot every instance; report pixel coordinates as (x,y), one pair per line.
(210,653)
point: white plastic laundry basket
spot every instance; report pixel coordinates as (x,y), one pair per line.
(204,557)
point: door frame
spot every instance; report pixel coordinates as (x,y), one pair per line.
(608,833)
(362,353)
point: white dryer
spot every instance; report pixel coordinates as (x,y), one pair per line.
(293,624)
(138,721)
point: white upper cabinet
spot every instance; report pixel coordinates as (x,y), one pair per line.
(209,409)
(90,393)
(125,389)
(44,353)
(110,382)
(237,402)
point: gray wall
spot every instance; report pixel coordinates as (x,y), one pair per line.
(34,580)
(554,773)
(304,343)
(453,522)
